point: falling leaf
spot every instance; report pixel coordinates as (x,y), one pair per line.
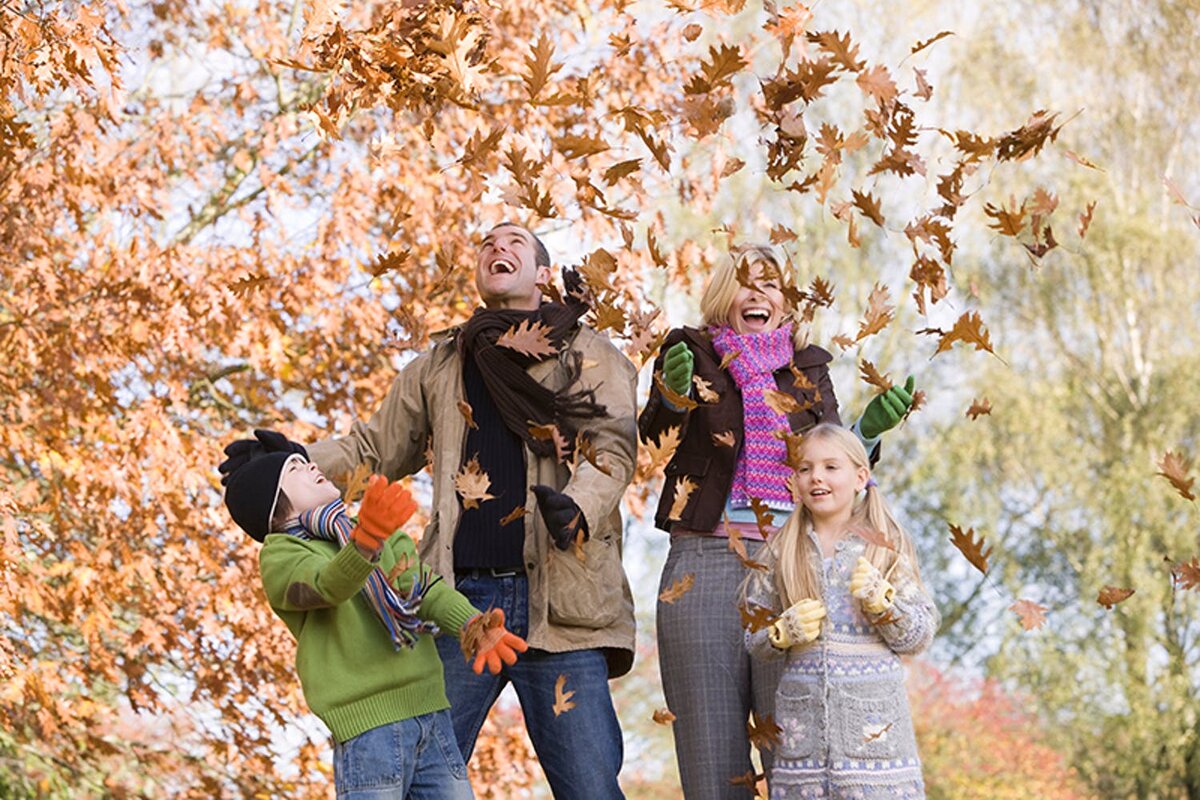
(1082,161)
(728,358)
(1085,219)
(924,89)
(968,329)
(781,402)
(724,439)
(1112,595)
(513,515)
(472,484)
(732,166)
(620,170)
(868,204)
(549,432)
(1187,574)
(704,389)
(678,589)
(663,716)
(979,408)
(562,699)
(760,618)
(684,486)
(1005,220)
(750,779)
(579,146)
(1175,467)
(874,732)
(692,31)
(877,82)
(399,568)
(584,446)
(762,731)
(662,450)
(673,397)
(465,408)
(529,338)
(355,482)
(919,46)
(540,68)
(918,402)
(871,375)
(879,312)
(1032,615)
(974,550)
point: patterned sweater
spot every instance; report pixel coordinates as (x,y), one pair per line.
(847,729)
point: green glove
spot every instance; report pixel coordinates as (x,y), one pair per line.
(886,410)
(677,369)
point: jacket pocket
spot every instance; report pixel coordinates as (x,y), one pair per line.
(588,593)
(798,711)
(874,722)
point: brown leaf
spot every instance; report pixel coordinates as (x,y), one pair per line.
(757,619)
(684,486)
(876,537)
(1085,219)
(704,389)
(1187,574)
(579,146)
(584,446)
(1082,160)
(873,735)
(868,204)
(918,402)
(562,699)
(472,484)
(879,312)
(871,375)
(539,66)
(979,408)
(678,589)
(663,716)
(732,166)
(724,439)
(529,338)
(620,170)
(1112,595)
(672,396)
(973,549)
(781,402)
(763,732)
(1007,221)
(1032,615)
(399,568)
(662,450)
(919,46)
(750,779)
(764,518)
(692,31)
(924,89)
(877,82)
(549,432)
(513,515)
(1175,468)
(465,409)
(355,482)
(839,47)
(728,358)
(969,329)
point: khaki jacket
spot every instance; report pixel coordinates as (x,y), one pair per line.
(573,604)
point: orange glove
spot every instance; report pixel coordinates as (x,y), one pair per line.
(385,507)
(486,638)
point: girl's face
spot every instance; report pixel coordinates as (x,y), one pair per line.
(828,481)
(761,309)
(305,486)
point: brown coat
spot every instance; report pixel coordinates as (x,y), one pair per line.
(699,457)
(573,605)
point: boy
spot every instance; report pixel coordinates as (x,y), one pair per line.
(362,611)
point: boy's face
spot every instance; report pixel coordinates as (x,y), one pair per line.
(506,270)
(305,486)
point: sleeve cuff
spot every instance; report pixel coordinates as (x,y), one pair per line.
(869,444)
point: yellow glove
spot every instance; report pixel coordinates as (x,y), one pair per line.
(871,588)
(799,625)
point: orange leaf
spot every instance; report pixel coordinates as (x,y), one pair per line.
(973,549)
(1032,615)
(620,170)
(704,389)
(663,716)
(979,408)
(690,33)
(1112,595)
(879,312)
(584,446)
(871,375)
(919,46)
(465,408)
(672,396)
(540,68)
(868,204)
(356,483)
(678,589)
(513,515)
(530,338)
(562,699)
(969,329)
(877,82)
(1188,574)
(1085,219)
(684,486)
(728,358)
(472,484)
(724,439)
(662,450)
(1174,467)
(781,402)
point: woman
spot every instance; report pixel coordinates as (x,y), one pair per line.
(740,370)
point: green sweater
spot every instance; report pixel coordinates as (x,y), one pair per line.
(352,676)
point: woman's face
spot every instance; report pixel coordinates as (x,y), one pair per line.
(759,309)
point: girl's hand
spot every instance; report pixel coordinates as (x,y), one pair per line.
(872,590)
(799,625)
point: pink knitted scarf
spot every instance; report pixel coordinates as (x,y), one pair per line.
(762,469)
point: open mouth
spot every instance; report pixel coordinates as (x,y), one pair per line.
(819,493)
(502,266)
(757,317)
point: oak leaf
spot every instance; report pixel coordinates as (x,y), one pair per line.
(749,779)
(1082,161)
(728,358)
(924,88)
(762,731)
(539,66)
(1187,574)
(732,166)
(678,589)
(584,446)
(877,82)
(579,146)
(1175,468)
(705,390)
(868,204)
(781,402)
(621,170)
(724,439)
(662,450)
(355,482)
(562,699)
(549,432)
(970,547)
(1032,615)
(919,46)
(472,484)
(968,329)
(532,338)
(684,486)
(879,312)
(872,376)
(756,619)
(979,408)
(1112,595)
(840,48)
(1085,219)
(513,515)
(673,397)
(764,518)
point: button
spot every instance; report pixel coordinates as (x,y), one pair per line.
(531,566)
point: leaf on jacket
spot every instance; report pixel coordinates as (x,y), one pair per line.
(1175,468)
(781,402)
(705,390)
(672,396)
(472,484)
(871,374)
(678,589)
(663,716)
(550,433)
(756,618)
(1032,615)
(530,338)
(801,381)
(1112,595)
(562,699)
(584,446)
(513,515)
(1085,219)
(662,450)
(973,549)
(580,553)
(465,409)
(684,486)
(355,482)
(763,732)
(724,439)
(728,358)
(979,408)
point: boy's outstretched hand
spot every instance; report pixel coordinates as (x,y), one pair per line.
(385,507)
(485,638)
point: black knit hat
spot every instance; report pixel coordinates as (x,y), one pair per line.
(250,474)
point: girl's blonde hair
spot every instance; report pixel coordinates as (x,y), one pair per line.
(792,549)
(718,295)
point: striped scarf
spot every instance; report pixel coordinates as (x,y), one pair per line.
(397,612)
(762,470)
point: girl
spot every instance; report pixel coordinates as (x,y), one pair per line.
(730,452)
(844,575)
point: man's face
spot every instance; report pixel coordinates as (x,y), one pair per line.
(506,272)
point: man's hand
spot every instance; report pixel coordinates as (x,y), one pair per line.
(561,514)
(799,625)
(677,369)
(885,411)
(385,507)
(871,589)
(485,639)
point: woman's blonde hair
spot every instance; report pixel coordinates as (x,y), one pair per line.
(791,547)
(718,295)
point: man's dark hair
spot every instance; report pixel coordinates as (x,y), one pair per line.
(541,256)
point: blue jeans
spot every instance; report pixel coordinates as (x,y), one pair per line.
(413,759)
(581,750)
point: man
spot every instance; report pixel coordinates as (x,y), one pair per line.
(574,609)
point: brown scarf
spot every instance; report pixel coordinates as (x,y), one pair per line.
(521,400)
